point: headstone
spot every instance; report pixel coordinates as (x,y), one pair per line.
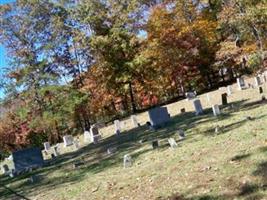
(127,161)
(76,144)
(172,143)
(158,116)
(224,99)
(94,134)
(68,140)
(111,150)
(47,146)
(182,110)
(86,136)
(216,110)
(27,158)
(117,126)
(181,134)
(198,107)
(241,83)
(55,150)
(257,81)
(190,95)
(208,97)
(155,144)
(260,90)
(229,90)
(134,121)
(5,169)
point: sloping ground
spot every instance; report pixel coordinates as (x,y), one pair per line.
(231,164)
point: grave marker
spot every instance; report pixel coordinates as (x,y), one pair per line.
(172,143)
(127,161)
(86,136)
(155,144)
(134,121)
(229,90)
(117,126)
(198,107)
(208,97)
(257,80)
(68,140)
(216,110)
(47,146)
(5,169)
(224,99)
(181,134)
(190,95)
(158,116)
(260,90)
(241,83)
(94,134)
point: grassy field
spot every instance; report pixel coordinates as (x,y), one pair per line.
(231,164)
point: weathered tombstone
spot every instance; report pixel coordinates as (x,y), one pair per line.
(127,161)
(134,121)
(172,143)
(260,90)
(86,136)
(5,169)
(27,158)
(158,116)
(241,83)
(208,97)
(55,151)
(182,110)
(95,136)
(190,95)
(216,110)
(198,107)
(117,126)
(155,144)
(68,140)
(111,150)
(181,134)
(224,99)
(47,146)
(229,90)
(76,144)
(257,81)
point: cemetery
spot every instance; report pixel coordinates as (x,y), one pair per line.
(216,151)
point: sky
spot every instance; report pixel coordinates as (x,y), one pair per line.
(3,56)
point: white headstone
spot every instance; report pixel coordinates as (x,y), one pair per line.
(241,83)
(134,121)
(117,126)
(86,136)
(68,140)
(229,90)
(208,97)
(56,150)
(127,161)
(172,143)
(198,107)
(94,133)
(216,110)
(47,146)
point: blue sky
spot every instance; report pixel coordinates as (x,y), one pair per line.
(3,58)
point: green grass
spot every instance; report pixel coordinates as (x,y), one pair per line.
(229,165)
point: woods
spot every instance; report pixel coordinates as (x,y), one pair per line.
(73,64)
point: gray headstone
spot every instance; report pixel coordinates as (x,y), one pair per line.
(68,140)
(181,134)
(94,134)
(127,161)
(257,81)
(216,110)
(117,126)
(172,143)
(27,158)
(158,116)
(241,83)
(111,150)
(47,146)
(198,107)
(190,95)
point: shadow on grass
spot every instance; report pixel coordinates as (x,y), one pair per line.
(96,159)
